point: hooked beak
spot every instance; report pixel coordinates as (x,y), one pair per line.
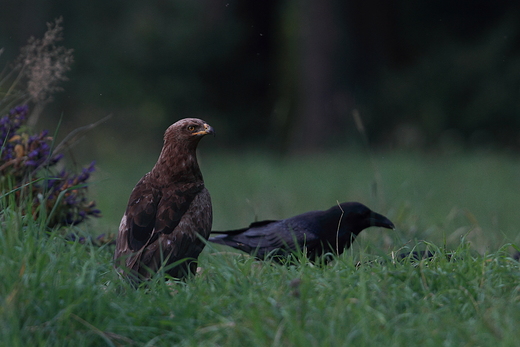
(208,129)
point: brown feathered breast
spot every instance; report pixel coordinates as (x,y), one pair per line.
(168,210)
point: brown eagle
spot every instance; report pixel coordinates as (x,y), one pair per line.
(169,210)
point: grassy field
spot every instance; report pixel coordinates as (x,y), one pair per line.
(428,197)
(61,293)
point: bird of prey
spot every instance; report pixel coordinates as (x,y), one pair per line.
(315,233)
(169,210)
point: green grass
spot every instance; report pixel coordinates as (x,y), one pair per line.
(60,293)
(435,198)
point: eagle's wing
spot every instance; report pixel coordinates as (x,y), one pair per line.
(184,242)
(157,224)
(137,223)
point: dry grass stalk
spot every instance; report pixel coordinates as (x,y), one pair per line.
(44,65)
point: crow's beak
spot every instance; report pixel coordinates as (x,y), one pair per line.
(378,220)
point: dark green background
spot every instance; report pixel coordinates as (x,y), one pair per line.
(284,75)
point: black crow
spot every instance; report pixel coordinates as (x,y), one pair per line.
(315,232)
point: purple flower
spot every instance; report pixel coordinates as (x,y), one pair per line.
(55,159)
(11,122)
(19,110)
(85,173)
(71,200)
(95,212)
(31,154)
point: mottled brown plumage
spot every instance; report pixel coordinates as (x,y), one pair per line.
(168,211)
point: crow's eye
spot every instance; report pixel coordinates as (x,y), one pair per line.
(191,128)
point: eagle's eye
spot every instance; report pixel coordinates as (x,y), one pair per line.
(191,128)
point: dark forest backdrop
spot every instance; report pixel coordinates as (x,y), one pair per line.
(285,75)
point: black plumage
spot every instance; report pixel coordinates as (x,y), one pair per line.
(315,232)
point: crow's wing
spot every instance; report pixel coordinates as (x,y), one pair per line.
(263,237)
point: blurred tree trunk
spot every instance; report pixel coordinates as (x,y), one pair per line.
(314,119)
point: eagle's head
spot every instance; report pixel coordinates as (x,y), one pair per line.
(187,130)
(178,156)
